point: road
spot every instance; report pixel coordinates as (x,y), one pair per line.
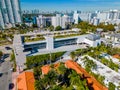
(6,78)
(5,67)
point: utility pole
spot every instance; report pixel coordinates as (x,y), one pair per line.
(50,57)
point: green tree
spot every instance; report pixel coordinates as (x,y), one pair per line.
(111,86)
(51,28)
(39,85)
(1,53)
(58,28)
(72,55)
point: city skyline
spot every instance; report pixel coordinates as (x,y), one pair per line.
(63,5)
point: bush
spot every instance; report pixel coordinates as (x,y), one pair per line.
(33,61)
(1,54)
(14,61)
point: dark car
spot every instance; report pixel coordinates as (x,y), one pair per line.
(1,74)
(7,48)
(6,55)
(11,86)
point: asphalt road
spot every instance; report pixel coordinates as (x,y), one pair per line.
(6,78)
(5,67)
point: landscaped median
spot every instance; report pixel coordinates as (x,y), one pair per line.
(14,61)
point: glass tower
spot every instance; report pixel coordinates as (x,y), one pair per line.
(10,12)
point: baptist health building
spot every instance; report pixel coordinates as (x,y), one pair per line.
(10,13)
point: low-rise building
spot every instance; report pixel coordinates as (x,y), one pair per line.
(113,37)
(25,81)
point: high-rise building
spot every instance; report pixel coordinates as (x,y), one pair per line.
(43,21)
(62,21)
(10,12)
(76,17)
(57,20)
(1,21)
(103,16)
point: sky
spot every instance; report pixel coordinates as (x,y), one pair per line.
(67,5)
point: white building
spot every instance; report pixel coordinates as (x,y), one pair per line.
(102,16)
(115,38)
(85,16)
(60,20)
(57,20)
(76,17)
(93,40)
(41,21)
(11,12)
(1,21)
(95,21)
(54,21)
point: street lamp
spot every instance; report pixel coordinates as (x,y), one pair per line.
(50,57)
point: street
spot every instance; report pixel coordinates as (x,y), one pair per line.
(6,77)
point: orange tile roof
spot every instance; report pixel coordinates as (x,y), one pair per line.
(73,65)
(45,69)
(116,56)
(25,81)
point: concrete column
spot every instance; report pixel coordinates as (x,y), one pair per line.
(49,42)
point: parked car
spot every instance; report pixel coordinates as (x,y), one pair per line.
(1,74)
(8,48)
(11,86)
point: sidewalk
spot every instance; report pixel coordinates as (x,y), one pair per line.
(14,77)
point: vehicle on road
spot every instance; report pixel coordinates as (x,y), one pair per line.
(8,48)
(1,74)
(11,86)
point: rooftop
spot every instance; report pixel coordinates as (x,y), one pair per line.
(116,56)
(25,81)
(93,37)
(73,65)
(117,35)
(96,85)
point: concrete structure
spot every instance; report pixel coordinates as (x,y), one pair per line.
(62,21)
(115,38)
(50,45)
(43,21)
(76,17)
(95,21)
(11,12)
(102,16)
(50,42)
(109,74)
(2,25)
(93,40)
(19,55)
(85,16)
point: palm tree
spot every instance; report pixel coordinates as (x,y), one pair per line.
(72,54)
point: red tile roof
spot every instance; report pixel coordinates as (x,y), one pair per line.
(73,65)
(25,81)
(45,69)
(116,56)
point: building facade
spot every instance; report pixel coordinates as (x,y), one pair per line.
(10,13)
(61,20)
